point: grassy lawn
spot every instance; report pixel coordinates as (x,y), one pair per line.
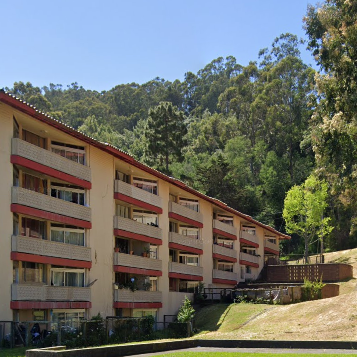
(13,352)
(20,352)
(243,354)
(226,318)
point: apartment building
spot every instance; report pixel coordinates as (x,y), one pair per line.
(86,229)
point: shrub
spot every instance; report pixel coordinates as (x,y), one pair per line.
(311,290)
(186,312)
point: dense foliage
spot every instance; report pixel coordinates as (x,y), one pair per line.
(332,32)
(242,134)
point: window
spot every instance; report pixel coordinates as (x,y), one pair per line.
(191,232)
(225,219)
(122,244)
(225,266)
(153,252)
(32,273)
(15,272)
(121,176)
(249,230)
(250,251)
(271,239)
(145,217)
(71,152)
(191,204)
(146,185)
(172,255)
(224,242)
(173,227)
(172,198)
(143,313)
(153,281)
(15,177)
(15,224)
(39,315)
(70,318)
(33,228)
(34,183)
(248,269)
(68,193)
(122,211)
(189,259)
(67,234)
(172,284)
(67,277)
(188,286)
(33,139)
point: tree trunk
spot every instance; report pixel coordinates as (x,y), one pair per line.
(307,260)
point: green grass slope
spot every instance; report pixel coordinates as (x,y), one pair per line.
(328,319)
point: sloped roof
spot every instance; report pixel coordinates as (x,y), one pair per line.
(30,110)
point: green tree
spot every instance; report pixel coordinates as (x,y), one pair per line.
(304,209)
(186,312)
(165,133)
(332,35)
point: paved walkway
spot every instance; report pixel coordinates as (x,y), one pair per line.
(253,350)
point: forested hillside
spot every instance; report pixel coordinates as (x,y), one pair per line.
(241,134)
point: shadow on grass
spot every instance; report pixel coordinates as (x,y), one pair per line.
(211,317)
(13,352)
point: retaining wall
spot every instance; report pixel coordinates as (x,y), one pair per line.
(297,273)
(127,350)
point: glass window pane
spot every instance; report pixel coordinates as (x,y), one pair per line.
(81,199)
(81,158)
(57,278)
(57,236)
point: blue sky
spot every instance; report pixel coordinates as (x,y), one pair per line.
(100,44)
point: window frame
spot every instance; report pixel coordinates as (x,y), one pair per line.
(189,203)
(66,271)
(71,190)
(67,229)
(147,183)
(65,148)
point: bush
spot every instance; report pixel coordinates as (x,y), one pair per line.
(311,290)
(147,326)
(246,299)
(177,330)
(186,312)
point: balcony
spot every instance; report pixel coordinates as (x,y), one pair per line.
(225,252)
(56,163)
(249,239)
(186,215)
(138,197)
(188,270)
(270,247)
(39,292)
(129,228)
(48,248)
(224,229)
(135,261)
(252,260)
(187,241)
(126,295)
(56,206)
(225,275)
